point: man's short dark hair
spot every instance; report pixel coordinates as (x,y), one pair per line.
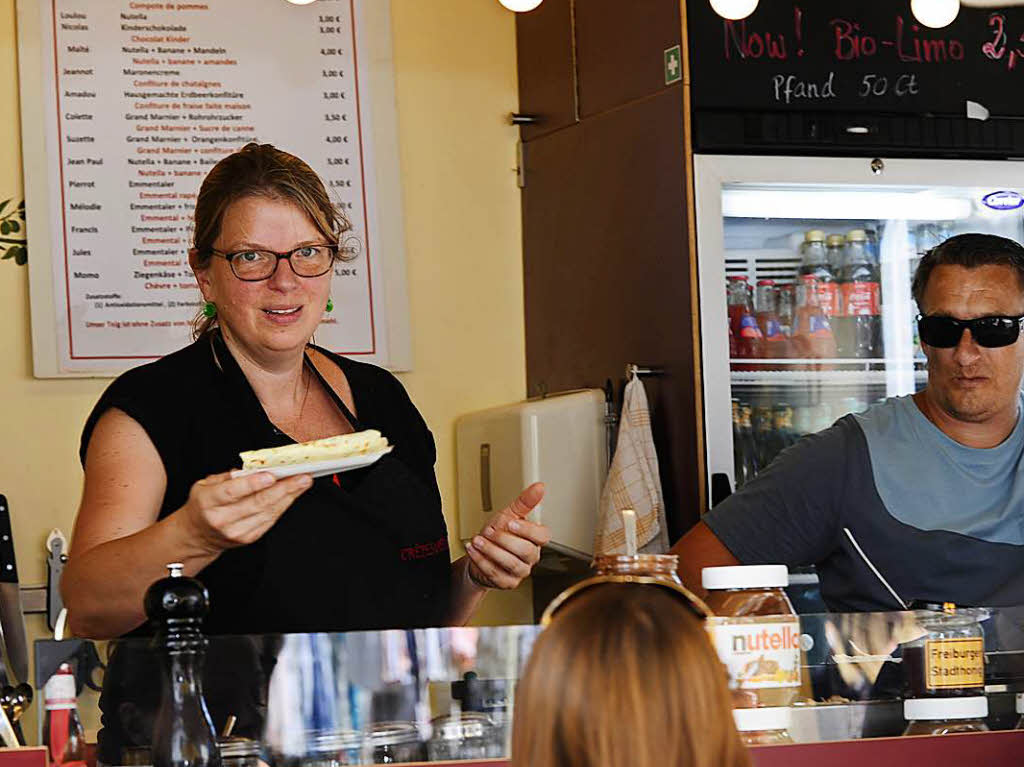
(969,251)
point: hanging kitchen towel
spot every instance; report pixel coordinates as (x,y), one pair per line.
(633,482)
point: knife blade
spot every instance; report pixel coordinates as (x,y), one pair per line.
(12,619)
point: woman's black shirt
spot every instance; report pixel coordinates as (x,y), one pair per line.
(365,549)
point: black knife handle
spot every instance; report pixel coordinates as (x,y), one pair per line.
(8,565)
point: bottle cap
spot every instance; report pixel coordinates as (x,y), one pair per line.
(745,577)
(736,277)
(917,709)
(814,235)
(834,240)
(766,282)
(856,235)
(760,719)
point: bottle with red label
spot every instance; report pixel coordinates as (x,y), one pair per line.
(785,305)
(858,327)
(814,262)
(63,734)
(812,332)
(745,330)
(776,342)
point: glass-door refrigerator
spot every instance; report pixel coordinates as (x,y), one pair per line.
(805,267)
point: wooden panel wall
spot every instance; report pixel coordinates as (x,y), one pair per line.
(606,255)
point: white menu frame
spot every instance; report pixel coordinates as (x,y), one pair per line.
(376,76)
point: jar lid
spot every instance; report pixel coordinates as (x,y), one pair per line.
(335,740)
(834,239)
(761,719)
(238,747)
(855,235)
(917,709)
(814,235)
(468,724)
(745,577)
(394,733)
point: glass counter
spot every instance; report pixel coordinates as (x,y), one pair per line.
(448,694)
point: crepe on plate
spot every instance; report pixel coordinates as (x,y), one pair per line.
(326,449)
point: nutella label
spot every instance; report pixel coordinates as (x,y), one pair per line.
(955,663)
(860,298)
(759,655)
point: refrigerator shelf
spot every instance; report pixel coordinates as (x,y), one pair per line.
(816,378)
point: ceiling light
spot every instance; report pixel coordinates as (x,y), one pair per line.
(935,13)
(520,6)
(734,9)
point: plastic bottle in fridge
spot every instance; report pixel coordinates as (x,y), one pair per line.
(749,447)
(739,466)
(776,342)
(814,262)
(785,305)
(834,248)
(858,327)
(812,332)
(762,422)
(742,320)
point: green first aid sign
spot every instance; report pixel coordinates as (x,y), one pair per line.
(673,65)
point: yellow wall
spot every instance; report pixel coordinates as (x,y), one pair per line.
(455,80)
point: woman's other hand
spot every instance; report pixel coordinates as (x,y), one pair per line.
(505,551)
(223,513)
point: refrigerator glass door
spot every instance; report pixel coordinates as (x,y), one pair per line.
(805,269)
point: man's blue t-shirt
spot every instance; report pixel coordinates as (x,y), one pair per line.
(938,521)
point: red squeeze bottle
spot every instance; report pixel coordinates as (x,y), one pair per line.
(63,734)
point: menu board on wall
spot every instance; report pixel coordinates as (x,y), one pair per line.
(132,104)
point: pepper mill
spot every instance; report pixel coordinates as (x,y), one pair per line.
(183,734)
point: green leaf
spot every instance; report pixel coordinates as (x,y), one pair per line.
(9,254)
(3,205)
(5,227)
(15,226)
(21,258)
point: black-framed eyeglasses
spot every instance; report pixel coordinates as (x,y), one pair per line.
(256,265)
(990,332)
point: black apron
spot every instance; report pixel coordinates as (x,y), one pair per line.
(364,549)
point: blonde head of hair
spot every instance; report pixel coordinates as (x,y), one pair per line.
(624,676)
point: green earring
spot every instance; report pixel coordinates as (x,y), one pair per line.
(209,309)
(330,304)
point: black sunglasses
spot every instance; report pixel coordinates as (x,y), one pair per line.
(990,332)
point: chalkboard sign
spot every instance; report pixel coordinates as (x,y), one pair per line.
(859,55)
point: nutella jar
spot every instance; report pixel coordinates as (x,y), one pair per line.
(767,726)
(945,716)
(755,631)
(948,659)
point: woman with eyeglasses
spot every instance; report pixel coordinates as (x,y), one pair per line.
(361,550)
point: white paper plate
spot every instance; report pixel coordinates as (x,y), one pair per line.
(319,468)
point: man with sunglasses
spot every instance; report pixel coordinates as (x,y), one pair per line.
(920,498)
